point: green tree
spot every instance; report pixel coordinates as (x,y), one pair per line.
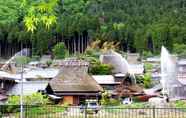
(39,12)
(60,51)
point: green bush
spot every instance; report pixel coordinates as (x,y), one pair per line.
(22,60)
(92,53)
(180,104)
(49,63)
(34,99)
(114,102)
(100,69)
(147,54)
(105,98)
(107,101)
(148,66)
(145,81)
(180,49)
(60,51)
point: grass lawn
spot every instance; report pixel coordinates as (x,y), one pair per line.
(119,108)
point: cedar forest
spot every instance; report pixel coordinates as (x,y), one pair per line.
(137,25)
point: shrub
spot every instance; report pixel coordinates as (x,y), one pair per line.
(179,49)
(100,69)
(180,104)
(22,60)
(105,98)
(145,81)
(114,102)
(49,62)
(147,54)
(107,101)
(92,53)
(60,51)
(148,66)
(34,99)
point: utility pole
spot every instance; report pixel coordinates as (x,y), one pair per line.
(21,97)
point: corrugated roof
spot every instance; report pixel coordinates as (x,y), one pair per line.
(41,73)
(29,87)
(31,73)
(136,68)
(132,58)
(105,79)
(181,62)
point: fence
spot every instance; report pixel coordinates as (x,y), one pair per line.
(78,112)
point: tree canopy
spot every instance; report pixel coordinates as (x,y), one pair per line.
(138,25)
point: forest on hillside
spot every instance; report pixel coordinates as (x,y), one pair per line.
(138,25)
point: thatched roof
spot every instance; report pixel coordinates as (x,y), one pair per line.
(128,88)
(73,79)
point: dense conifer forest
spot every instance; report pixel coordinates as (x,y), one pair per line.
(138,25)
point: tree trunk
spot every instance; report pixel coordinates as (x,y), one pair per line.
(74,40)
(79,44)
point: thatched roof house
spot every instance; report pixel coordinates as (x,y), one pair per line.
(129,88)
(73,83)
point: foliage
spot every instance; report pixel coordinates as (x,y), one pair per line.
(100,69)
(105,98)
(95,53)
(9,11)
(100,46)
(49,62)
(147,54)
(22,60)
(137,26)
(114,102)
(41,110)
(39,12)
(180,104)
(60,51)
(180,49)
(34,99)
(148,66)
(136,105)
(107,101)
(145,81)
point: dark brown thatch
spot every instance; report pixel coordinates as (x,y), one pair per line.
(128,88)
(74,80)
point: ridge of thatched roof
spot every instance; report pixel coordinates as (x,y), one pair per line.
(74,80)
